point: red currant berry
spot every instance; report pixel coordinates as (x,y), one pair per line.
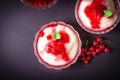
(83,50)
(98,50)
(102,46)
(83,58)
(89,53)
(99,39)
(88,58)
(106,50)
(82,54)
(95,43)
(86,62)
(92,48)
(94,53)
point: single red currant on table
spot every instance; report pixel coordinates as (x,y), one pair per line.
(88,53)
(106,50)
(99,39)
(96,48)
(95,43)
(102,46)
(92,48)
(94,53)
(86,62)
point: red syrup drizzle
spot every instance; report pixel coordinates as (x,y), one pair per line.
(38,3)
(57,47)
(94,12)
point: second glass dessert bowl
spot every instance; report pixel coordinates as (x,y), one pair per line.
(97,16)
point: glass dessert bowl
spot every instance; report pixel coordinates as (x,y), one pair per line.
(97,16)
(57,45)
(39,3)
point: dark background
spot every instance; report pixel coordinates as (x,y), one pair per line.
(18,26)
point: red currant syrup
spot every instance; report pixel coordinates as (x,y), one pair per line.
(94,12)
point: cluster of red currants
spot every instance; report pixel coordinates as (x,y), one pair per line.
(95,49)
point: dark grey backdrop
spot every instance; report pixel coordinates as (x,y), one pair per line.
(18,26)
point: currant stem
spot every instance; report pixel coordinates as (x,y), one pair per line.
(86,46)
(103,42)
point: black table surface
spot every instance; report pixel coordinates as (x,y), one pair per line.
(18,26)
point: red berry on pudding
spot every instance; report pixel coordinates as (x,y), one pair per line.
(39,3)
(57,45)
(97,16)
